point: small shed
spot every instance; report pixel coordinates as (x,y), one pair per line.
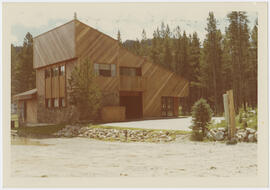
(26,106)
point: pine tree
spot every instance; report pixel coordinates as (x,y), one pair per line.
(177,50)
(194,62)
(184,59)
(253,66)
(238,35)
(84,93)
(119,37)
(167,51)
(24,76)
(14,63)
(211,66)
(156,49)
(144,45)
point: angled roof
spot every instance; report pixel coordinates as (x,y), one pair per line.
(30,94)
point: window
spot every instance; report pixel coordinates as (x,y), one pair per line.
(48,102)
(130,71)
(96,69)
(167,105)
(55,71)
(55,102)
(113,70)
(105,73)
(62,70)
(62,102)
(55,89)
(106,70)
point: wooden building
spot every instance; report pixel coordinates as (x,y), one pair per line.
(131,86)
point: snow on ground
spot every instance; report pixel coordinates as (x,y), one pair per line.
(171,124)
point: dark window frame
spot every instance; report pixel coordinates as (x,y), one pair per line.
(55,71)
(54,105)
(62,73)
(61,103)
(105,72)
(167,106)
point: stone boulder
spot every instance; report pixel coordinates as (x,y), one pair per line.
(251,138)
(219,136)
(251,131)
(255,135)
(68,134)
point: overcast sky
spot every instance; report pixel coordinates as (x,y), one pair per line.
(130,19)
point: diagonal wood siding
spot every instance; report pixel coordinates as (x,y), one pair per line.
(101,48)
(54,46)
(160,82)
(157,82)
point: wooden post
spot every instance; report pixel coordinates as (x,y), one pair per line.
(226,111)
(231,113)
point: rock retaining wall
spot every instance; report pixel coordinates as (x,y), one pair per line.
(122,135)
(147,135)
(242,135)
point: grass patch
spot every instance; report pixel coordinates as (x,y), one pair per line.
(39,131)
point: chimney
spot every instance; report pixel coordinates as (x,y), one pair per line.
(75,16)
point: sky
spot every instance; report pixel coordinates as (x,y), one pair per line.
(129,18)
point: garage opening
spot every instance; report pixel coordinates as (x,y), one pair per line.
(132,101)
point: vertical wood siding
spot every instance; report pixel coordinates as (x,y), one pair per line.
(48,87)
(62,86)
(55,87)
(31,111)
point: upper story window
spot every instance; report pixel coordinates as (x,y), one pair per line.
(55,86)
(55,72)
(106,70)
(62,70)
(130,71)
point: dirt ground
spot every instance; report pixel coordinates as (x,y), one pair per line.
(82,157)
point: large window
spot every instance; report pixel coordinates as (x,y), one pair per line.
(56,102)
(62,70)
(167,106)
(55,71)
(55,87)
(62,102)
(106,70)
(130,71)
(48,102)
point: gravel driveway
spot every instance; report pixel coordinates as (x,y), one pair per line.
(83,157)
(171,124)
